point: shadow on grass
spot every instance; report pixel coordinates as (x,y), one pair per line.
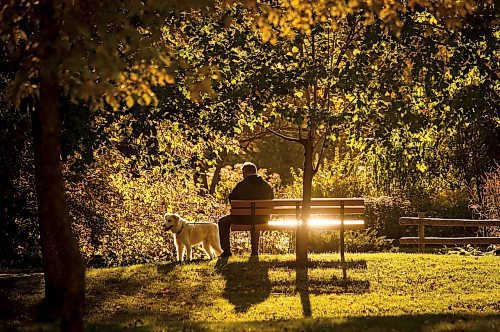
(136,299)
(115,284)
(302,286)
(169,267)
(351,264)
(414,323)
(247,283)
(403,323)
(21,298)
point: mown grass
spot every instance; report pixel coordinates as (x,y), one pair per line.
(383,292)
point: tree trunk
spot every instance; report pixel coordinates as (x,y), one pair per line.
(64,271)
(302,240)
(216,178)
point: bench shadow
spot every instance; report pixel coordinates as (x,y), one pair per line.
(305,287)
(247,283)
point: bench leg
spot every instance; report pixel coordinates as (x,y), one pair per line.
(342,253)
(254,240)
(342,244)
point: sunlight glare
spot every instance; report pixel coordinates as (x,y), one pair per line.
(315,222)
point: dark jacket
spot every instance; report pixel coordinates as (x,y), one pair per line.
(253,187)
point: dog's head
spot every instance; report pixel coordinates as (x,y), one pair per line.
(171,221)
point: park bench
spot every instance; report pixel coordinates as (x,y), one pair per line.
(345,212)
(421,240)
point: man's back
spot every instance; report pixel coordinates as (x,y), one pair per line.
(252,187)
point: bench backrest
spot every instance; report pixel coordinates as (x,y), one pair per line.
(349,207)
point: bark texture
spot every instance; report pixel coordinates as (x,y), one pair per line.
(62,263)
(63,266)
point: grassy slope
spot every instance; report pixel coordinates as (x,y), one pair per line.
(384,292)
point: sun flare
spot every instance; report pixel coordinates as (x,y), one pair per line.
(315,222)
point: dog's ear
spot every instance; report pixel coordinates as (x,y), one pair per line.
(177,217)
(166,215)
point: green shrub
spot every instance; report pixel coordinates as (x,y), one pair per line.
(355,241)
(383,213)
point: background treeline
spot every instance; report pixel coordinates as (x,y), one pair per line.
(116,206)
(406,116)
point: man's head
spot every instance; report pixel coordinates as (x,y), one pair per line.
(248,169)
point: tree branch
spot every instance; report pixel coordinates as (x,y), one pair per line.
(324,146)
(285,137)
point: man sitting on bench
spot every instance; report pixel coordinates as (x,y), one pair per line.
(251,187)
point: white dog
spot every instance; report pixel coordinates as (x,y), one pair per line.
(188,235)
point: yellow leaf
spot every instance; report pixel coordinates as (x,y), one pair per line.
(169,78)
(129,101)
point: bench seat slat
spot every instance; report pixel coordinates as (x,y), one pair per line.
(448,222)
(292,211)
(291,202)
(451,240)
(292,226)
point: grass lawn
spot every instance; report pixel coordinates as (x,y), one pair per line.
(383,292)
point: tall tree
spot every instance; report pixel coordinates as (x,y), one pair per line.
(95,52)
(340,72)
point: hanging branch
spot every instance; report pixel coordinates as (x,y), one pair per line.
(283,136)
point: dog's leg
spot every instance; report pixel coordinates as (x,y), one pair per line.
(215,243)
(180,252)
(189,253)
(208,249)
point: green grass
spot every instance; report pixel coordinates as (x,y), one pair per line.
(383,292)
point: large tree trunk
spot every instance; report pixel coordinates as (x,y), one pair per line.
(63,266)
(302,241)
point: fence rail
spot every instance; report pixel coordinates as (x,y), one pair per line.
(421,240)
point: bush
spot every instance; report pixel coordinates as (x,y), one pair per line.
(383,213)
(355,241)
(486,203)
(117,215)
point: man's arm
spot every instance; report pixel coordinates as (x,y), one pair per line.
(234,194)
(270,189)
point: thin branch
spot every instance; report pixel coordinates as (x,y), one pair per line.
(429,25)
(324,146)
(285,137)
(398,63)
(346,44)
(254,137)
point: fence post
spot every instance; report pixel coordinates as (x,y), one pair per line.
(421,237)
